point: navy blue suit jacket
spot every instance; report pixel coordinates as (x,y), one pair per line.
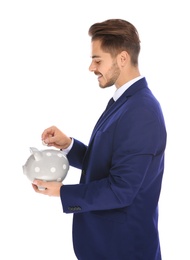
(115,205)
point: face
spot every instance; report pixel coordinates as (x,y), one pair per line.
(104,66)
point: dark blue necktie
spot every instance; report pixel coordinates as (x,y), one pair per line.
(111,101)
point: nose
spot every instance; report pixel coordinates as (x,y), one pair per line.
(92,67)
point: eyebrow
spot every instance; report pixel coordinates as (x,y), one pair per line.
(95,56)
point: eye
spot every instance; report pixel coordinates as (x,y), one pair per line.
(97,61)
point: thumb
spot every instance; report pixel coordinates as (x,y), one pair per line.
(40,184)
(48,140)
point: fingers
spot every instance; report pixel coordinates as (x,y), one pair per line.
(49,141)
(47,188)
(52,136)
(49,136)
(40,186)
(44,142)
(49,132)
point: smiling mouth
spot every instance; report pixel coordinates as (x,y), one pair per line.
(98,76)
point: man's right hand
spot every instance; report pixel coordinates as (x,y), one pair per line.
(52,136)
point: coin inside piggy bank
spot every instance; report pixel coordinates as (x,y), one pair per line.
(46,165)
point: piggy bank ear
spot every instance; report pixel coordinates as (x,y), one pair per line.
(36,153)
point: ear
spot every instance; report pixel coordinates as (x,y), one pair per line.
(123,58)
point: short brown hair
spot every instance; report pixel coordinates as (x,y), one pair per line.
(117,35)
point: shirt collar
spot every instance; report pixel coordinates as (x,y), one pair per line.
(122,89)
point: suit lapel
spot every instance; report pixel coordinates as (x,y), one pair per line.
(122,99)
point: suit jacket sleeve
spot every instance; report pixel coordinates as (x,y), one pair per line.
(125,158)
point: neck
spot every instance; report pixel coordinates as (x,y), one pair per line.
(126,76)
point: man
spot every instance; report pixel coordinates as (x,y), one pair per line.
(115,205)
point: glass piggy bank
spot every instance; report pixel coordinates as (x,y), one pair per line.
(46,165)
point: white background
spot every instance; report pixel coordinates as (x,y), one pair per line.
(44,81)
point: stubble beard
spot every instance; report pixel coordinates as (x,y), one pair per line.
(111,76)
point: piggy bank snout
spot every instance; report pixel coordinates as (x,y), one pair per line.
(24,169)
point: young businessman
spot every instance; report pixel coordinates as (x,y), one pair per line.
(115,205)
